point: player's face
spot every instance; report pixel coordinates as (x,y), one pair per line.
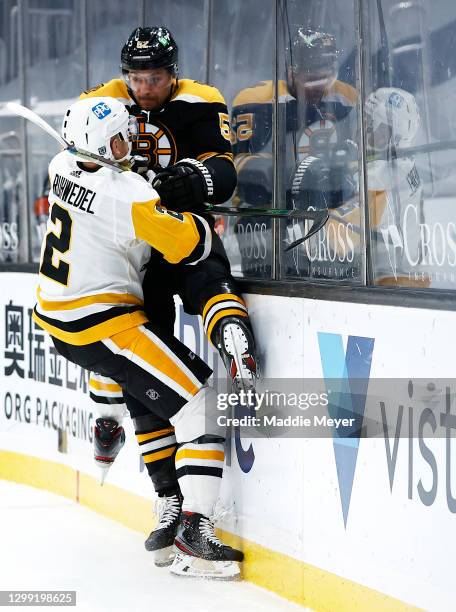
(311,83)
(120,148)
(151,88)
(378,139)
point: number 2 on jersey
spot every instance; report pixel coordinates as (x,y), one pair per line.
(61,243)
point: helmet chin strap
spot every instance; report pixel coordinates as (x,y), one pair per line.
(126,156)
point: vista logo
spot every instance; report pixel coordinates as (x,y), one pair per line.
(346,379)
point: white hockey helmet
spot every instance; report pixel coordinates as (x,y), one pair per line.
(395,108)
(91,123)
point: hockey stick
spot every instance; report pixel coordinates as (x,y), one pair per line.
(319,217)
(319,222)
(443,145)
(293,213)
(26,113)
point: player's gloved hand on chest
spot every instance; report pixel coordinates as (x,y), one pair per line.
(184,186)
(140,165)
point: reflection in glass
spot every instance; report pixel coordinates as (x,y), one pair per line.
(109,24)
(410,55)
(242,66)
(186,20)
(318,157)
(12,247)
(252,148)
(11,189)
(394,184)
(55,76)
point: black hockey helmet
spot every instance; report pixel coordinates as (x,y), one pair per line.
(148,48)
(313,50)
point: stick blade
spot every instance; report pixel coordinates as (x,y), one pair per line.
(319,218)
(26,113)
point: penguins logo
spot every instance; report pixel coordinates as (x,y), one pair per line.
(156,143)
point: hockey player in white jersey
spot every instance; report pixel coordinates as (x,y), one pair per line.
(183,140)
(394,186)
(90,300)
(394,191)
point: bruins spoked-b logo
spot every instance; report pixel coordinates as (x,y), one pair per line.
(156,143)
(318,136)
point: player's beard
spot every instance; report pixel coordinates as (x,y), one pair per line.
(149,103)
(154,102)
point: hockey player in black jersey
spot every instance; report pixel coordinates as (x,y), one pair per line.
(319,118)
(184,140)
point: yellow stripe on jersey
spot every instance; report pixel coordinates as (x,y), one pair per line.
(261,93)
(174,236)
(99,298)
(150,353)
(159,455)
(100,386)
(154,434)
(221,297)
(242,159)
(343,89)
(377,204)
(228,156)
(205,156)
(116,88)
(126,338)
(245,158)
(189,453)
(207,93)
(97,332)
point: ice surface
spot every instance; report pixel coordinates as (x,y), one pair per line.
(50,543)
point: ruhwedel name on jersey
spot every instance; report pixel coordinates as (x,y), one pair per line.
(73,194)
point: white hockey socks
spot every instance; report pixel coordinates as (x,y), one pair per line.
(199,469)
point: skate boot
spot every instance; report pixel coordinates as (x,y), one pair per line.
(108,439)
(161,538)
(236,346)
(200,553)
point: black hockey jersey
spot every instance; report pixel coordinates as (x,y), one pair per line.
(252,116)
(193,123)
(309,129)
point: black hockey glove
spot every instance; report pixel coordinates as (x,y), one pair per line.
(140,165)
(184,186)
(310,184)
(327,181)
(255,181)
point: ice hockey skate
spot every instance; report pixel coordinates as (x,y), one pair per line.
(161,538)
(200,554)
(237,348)
(108,439)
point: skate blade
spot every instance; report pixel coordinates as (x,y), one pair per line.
(188,566)
(164,556)
(104,469)
(236,344)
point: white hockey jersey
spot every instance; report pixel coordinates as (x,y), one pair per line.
(395,201)
(98,235)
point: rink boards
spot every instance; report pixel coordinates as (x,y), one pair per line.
(335,524)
